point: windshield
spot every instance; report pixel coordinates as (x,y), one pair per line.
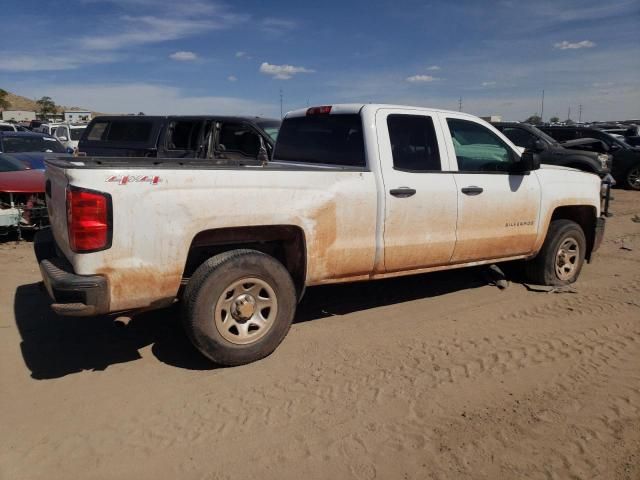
(10,164)
(544,136)
(76,133)
(32,144)
(271,127)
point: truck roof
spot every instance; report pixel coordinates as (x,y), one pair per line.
(354,108)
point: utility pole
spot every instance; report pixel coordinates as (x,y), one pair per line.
(569,113)
(580,114)
(460,104)
(542,108)
(281,104)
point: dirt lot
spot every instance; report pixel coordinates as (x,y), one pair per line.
(435,376)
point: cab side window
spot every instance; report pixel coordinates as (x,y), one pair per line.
(413,143)
(477,148)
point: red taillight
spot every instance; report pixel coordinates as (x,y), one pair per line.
(324,110)
(88,220)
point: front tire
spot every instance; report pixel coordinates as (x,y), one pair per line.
(238,306)
(561,257)
(632,178)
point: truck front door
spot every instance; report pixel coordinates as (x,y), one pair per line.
(419,192)
(498,209)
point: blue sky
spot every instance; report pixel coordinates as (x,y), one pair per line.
(206,56)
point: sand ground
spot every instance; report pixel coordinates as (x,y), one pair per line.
(433,376)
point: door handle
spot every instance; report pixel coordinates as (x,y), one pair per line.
(473,190)
(402,192)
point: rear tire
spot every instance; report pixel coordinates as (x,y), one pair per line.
(238,306)
(561,257)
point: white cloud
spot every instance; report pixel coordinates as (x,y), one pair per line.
(148,98)
(278,26)
(232,78)
(420,78)
(282,72)
(488,84)
(564,45)
(12,62)
(183,56)
(433,68)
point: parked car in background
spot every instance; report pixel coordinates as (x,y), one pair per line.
(47,128)
(22,198)
(626,159)
(243,139)
(7,127)
(31,148)
(69,135)
(551,151)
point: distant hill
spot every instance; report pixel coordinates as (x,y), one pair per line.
(18,102)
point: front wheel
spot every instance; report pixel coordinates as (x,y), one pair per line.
(632,179)
(561,257)
(238,306)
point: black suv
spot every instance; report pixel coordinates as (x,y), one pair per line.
(243,139)
(626,159)
(551,152)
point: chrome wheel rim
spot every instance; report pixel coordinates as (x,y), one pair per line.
(633,177)
(246,311)
(567,258)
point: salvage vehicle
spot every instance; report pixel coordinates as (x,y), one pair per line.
(219,139)
(12,142)
(354,192)
(22,199)
(551,151)
(626,159)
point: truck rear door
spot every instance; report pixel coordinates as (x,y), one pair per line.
(419,189)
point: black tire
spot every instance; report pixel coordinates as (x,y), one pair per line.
(542,269)
(632,178)
(203,295)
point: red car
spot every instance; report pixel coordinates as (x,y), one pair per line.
(22,197)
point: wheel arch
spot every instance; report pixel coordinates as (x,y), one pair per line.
(286,243)
(583,215)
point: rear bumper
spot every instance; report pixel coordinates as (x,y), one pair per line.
(72,295)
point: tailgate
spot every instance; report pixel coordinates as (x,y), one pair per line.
(56,191)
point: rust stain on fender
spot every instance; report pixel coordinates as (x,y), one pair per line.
(134,287)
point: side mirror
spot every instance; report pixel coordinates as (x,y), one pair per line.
(263,154)
(63,138)
(529,161)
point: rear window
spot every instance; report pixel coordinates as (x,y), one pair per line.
(322,139)
(120,131)
(123,131)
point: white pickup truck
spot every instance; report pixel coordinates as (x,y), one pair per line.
(353,192)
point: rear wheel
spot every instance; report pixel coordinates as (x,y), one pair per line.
(238,306)
(561,257)
(632,179)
